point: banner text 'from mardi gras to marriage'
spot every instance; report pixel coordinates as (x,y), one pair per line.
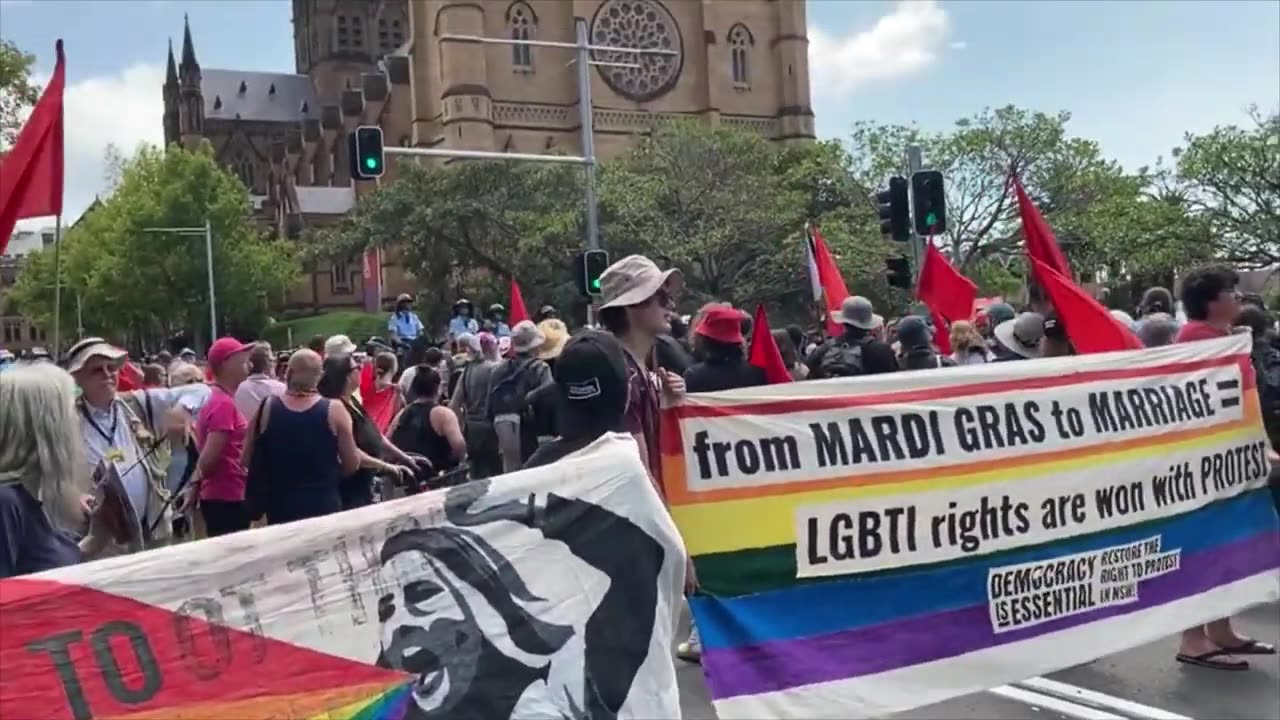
(808,444)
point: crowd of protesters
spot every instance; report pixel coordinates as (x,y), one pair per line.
(253,437)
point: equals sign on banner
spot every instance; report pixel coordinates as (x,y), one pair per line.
(1229,393)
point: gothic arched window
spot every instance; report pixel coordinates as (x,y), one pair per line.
(242,166)
(740,42)
(523,25)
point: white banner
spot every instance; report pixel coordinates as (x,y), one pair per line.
(550,593)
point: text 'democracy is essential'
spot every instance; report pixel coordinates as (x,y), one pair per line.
(781,448)
(1033,593)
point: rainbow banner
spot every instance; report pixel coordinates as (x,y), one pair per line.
(550,593)
(865,546)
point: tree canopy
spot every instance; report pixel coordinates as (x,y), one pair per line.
(17,94)
(728,208)
(135,283)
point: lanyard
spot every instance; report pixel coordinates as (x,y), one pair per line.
(115,423)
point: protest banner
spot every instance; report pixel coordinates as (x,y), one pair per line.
(874,544)
(549,593)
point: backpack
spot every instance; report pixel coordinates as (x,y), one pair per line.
(843,359)
(507,395)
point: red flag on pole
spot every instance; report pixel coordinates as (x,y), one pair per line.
(1089,326)
(943,288)
(764,352)
(517,312)
(941,332)
(833,287)
(31,174)
(1041,243)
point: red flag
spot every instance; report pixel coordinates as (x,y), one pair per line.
(764,352)
(833,287)
(943,288)
(1041,243)
(1089,326)
(517,312)
(941,333)
(130,377)
(31,174)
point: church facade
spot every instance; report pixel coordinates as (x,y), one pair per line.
(741,63)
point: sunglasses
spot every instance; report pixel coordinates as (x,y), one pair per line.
(107,369)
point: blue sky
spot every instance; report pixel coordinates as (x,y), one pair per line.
(1135,75)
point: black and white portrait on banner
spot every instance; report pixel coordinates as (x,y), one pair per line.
(492,635)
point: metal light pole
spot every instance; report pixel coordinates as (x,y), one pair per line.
(915,163)
(207,232)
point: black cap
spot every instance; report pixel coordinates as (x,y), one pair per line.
(591,373)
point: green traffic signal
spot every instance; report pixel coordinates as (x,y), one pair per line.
(595,284)
(931,219)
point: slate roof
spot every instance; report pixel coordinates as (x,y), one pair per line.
(224,100)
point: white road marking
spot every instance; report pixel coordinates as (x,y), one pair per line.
(1097,699)
(1054,704)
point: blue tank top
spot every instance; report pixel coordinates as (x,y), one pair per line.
(300,461)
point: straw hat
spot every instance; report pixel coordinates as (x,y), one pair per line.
(555,335)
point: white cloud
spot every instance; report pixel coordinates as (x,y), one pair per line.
(123,109)
(901,43)
(959,45)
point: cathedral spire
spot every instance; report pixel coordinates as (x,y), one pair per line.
(171,72)
(188,48)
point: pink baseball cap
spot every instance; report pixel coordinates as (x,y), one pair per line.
(224,348)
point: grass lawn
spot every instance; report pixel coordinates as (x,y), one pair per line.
(359,326)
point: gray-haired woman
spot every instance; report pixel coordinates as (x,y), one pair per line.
(42,481)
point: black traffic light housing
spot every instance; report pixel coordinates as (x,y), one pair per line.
(895,218)
(929,202)
(588,267)
(898,272)
(368,159)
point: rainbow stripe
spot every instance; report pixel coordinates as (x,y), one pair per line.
(775,645)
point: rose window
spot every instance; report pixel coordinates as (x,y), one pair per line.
(639,24)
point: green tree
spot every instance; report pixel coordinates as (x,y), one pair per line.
(465,229)
(728,208)
(17,94)
(133,283)
(1113,225)
(1231,179)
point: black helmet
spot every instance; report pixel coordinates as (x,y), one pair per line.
(461,302)
(497,308)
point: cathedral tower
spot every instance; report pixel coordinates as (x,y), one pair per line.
(191,105)
(336,41)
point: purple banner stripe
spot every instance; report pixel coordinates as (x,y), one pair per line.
(782,664)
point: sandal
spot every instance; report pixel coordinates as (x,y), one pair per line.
(1250,647)
(1207,660)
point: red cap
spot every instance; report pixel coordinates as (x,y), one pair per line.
(225,347)
(722,324)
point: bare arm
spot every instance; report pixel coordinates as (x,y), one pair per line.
(445,422)
(348,454)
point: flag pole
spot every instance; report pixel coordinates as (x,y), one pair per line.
(57,289)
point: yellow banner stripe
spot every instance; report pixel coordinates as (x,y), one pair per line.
(750,523)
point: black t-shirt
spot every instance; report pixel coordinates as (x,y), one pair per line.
(877,357)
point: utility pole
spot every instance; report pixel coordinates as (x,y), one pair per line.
(915,163)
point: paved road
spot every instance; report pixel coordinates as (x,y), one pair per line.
(1146,675)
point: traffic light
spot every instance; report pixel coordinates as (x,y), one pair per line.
(590,265)
(367,156)
(929,202)
(898,272)
(895,220)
